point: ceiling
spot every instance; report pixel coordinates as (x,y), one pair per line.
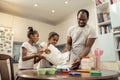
(42,12)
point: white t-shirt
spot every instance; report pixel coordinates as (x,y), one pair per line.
(43,44)
(79,36)
(31,50)
(43,63)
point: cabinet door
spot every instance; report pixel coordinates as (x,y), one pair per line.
(106,43)
(115,14)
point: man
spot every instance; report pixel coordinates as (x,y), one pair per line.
(80,39)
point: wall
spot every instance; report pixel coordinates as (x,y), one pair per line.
(72,20)
(6,20)
(20,26)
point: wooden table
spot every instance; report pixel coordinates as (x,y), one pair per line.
(33,75)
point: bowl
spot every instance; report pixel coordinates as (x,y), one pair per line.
(51,71)
(42,71)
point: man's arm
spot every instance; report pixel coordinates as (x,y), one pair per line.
(88,45)
(85,51)
(68,44)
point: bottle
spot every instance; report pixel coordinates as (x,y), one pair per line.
(92,63)
(85,63)
(97,63)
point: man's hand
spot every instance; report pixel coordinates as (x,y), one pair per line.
(76,64)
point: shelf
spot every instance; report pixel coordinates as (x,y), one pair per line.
(103,6)
(117,35)
(117,49)
(104,23)
(117,32)
(106,34)
(118,61)
(114,1)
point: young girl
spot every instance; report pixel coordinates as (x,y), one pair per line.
(52,39)
(28,52)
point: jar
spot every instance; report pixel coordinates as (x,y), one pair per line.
(85,63)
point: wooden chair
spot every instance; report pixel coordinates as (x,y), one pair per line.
(4,67)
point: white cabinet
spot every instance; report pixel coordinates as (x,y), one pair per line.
(105,30)
(115,14)
(115,20)
(107,45)
(108,24)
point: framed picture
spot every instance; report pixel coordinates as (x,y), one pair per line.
(6,40)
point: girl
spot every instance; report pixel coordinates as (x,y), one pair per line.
(52,39)
(28,52)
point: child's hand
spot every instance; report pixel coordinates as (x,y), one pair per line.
(39,54)
(47,51)
(41,57)
(65,50)
(41,49)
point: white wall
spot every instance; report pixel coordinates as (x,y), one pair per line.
(62,28)
(72,20)
(6,20)
(20,26)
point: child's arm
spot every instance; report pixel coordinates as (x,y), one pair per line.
(24,55)
(37,59)
(41,50)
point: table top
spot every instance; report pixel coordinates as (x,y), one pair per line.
(32,74)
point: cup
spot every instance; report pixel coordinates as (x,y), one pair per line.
(97,63)
(42,71)
(51,71)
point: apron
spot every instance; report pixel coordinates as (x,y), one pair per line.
(75,51)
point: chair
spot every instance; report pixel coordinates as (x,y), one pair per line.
(4,68)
